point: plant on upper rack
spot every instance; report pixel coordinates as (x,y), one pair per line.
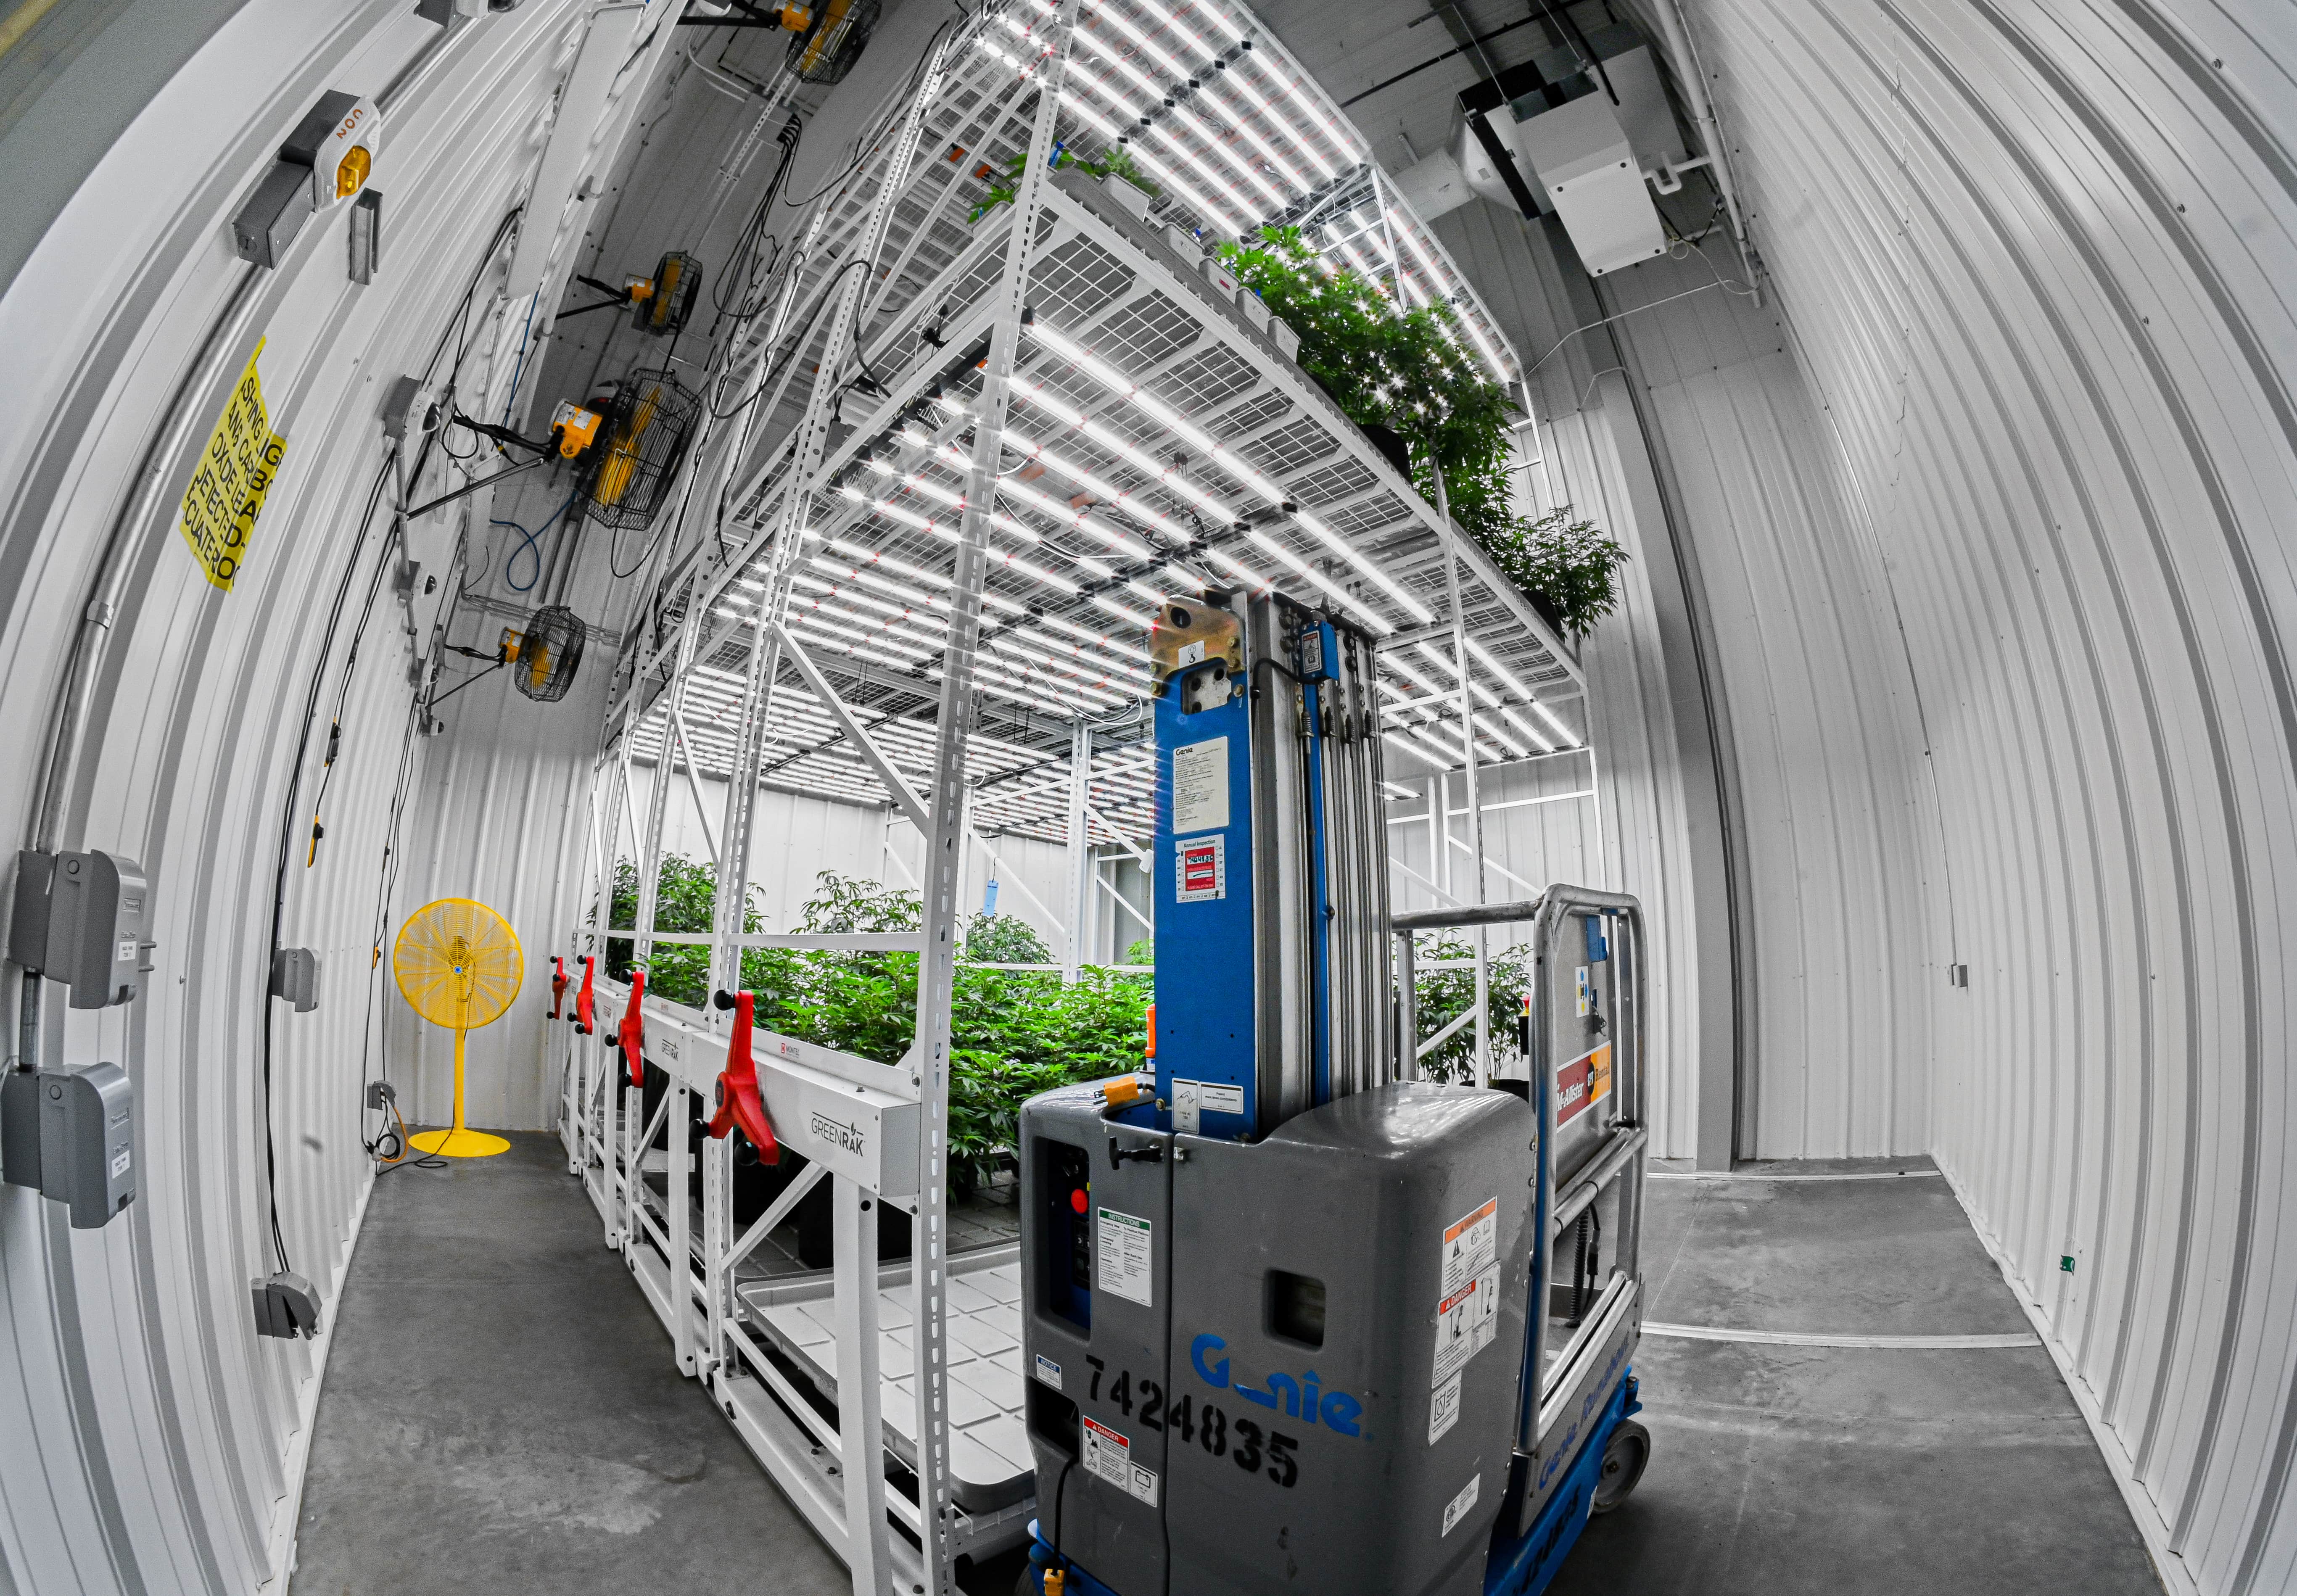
(1115,161)
(1408,372)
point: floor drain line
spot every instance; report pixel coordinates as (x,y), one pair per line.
(1752,1174)
(1938,1343)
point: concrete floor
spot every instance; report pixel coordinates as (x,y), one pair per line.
(1784,1469)
(500,1415)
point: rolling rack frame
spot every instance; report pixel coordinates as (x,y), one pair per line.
(853,596)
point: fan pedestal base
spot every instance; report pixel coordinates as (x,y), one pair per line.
(459,1143)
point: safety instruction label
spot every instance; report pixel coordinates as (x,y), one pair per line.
(1123,1244)
(1467,1314)
(1466,1322)
(1581,1083)
(1200,786)
(235,471)
(1110,1455)
(1200,869)
(1457,1507)
(1471,1244)
(1048,1371)
(1443,1409)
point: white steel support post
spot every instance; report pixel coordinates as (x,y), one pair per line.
(860,1420)
(1081,867)
(649,864)
(729,904)
(1475,798)
(678,1189)
(944,858)
(717,1161)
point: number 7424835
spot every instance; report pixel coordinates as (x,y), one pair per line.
(1253,1449)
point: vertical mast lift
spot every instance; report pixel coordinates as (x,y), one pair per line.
(1295,1321)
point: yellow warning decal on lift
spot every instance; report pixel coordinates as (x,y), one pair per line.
(227,487)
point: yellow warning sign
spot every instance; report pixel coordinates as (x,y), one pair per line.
(226,489)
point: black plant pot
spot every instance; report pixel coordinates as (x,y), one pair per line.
(1389,442)
(816,1246)
(1544,607)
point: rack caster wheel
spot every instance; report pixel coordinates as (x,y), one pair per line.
(1624,1457)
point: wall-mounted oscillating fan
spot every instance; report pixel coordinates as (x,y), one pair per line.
(662,304)
(546,654)
(627,473)
(826,50)
(458,965)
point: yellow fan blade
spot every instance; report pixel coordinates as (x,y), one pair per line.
(459,963)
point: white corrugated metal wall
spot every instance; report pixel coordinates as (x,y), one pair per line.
(152,1442)
(1661,817)
(2036,264)
(1979,529)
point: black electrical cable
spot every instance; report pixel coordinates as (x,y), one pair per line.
(467,682)
(1059,1485)
(459,321)
(287,826)
(797,345)
(868,142)
(386,880)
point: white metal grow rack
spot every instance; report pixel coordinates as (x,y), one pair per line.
(952,474)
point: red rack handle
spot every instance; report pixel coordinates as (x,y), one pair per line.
(586,1001)
(738,1102)
(558,985)
(632,1030)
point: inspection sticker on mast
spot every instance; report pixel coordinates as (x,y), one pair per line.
(1200,868)
(228,485)
(1200,786)
(1124,1243)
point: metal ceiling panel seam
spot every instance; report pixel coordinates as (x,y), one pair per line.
(165,1446)
(2037,266)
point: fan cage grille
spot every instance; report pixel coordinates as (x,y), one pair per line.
(648,426)
(826,51)
(549,655)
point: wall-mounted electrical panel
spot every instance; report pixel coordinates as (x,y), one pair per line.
(70,1134)
(79,918)
(296,976)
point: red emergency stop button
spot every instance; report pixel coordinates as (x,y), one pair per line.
(1077,1199)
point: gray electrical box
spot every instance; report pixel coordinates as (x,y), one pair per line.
(1233,1349)
(273,214)
(296,976)
(285,1306)
(79,918)
(70,1134)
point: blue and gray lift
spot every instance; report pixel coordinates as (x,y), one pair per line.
(1296,1320)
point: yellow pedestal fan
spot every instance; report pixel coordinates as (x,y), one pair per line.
(458,965)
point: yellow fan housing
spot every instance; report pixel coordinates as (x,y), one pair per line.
(458,965)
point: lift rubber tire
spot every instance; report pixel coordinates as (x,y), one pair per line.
(1624,1457)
